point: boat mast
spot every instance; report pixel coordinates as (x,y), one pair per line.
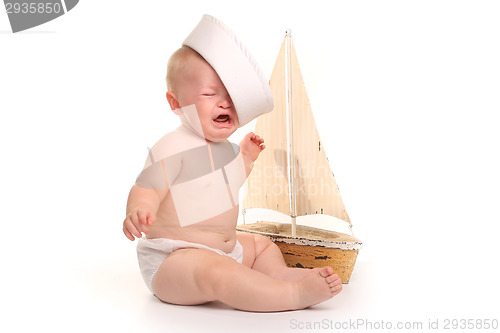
(290,135)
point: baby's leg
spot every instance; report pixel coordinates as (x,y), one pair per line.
(264,256)
(195,276)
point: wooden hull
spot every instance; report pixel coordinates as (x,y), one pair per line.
(312,247)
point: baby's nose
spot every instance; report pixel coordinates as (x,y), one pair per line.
(225,102)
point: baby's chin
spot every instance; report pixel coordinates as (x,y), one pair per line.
(218,138)
(219,135)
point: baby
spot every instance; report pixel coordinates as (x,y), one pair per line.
(186,203)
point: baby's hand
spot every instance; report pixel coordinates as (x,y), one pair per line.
(137,221)
(252,145)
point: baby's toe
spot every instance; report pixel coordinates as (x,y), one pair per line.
(326,271)
(336,288)
(334,278)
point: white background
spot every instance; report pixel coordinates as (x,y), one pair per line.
(405,96)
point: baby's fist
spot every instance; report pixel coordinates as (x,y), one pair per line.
(252,145)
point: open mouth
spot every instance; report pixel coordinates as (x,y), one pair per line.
(223,120)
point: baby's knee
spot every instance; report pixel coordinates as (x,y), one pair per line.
(262,243)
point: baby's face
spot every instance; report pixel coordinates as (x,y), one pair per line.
(200,85)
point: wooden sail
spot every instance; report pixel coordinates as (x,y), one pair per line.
(292,175)
(267,185)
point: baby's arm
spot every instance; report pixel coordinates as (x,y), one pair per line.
(250,148)
(142,206)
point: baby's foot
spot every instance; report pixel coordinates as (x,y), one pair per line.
(318,287)
(294,274)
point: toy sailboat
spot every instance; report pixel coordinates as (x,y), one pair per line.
(292,176)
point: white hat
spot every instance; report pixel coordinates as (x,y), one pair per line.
(238,70)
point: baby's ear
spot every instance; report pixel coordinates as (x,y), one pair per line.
(174,104)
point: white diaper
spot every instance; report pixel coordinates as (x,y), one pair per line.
(152,252)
